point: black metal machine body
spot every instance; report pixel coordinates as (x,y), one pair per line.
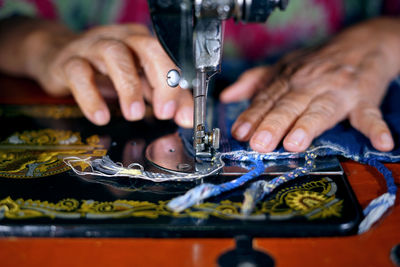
(191,32)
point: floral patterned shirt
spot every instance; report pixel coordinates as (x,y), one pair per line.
(304,23)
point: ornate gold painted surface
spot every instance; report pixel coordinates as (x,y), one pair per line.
(313,200)
(42,111)
(48,111)
(39,153)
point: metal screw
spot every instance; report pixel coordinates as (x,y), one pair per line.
(183,166)
(173,78)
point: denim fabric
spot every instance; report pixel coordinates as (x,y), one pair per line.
(342,140)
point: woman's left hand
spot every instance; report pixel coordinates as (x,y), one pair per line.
(309,92)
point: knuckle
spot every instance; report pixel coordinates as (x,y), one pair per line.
(78,72)
(347,73)
(125,69)
(274,125)
(354,120)
(311,69)
(146,40)
(261,99)
(281,82)
(138,28)
(300,75)
(279,87)
(74,64)
(294,101)
(251,116)
(111,46)
(154,46)
(371,112)
(379,124)
(311,122)
(261,105)
(289,69)
(323,110)
(135,84)
(287,111)
(150,46)
(246,75)
(129,89)
(129,86)
(104,30)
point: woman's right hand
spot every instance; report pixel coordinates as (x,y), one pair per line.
(133,60)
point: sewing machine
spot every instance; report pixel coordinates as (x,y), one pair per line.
(62,205)
(191,32)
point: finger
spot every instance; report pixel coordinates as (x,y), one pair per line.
(277,122)
(248,121)
(312,70)
(323,112)
(137,29)
(117,31)
(122,70)
(79,76)
(368,120)
(247,84)
(156,65)
(293,56)
(184,115)
(366,117)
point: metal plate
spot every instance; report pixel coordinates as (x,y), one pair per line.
(169,154)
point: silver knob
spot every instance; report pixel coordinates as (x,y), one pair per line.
(173,78)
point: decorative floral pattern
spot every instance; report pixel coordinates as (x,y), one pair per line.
(313,200)
(40,153)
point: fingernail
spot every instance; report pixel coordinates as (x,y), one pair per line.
(261,140)
(297,137)
(137,110)
(243,130)
(168,110)
(386,140)
(186,117)
(101,117)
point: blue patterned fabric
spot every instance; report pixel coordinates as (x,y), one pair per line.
(342,140)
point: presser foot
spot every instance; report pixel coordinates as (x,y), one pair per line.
(206,143)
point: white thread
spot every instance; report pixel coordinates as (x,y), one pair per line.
(383,203)
(150,176)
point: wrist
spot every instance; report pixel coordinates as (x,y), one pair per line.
(388,33)
(26,44)
(41,45)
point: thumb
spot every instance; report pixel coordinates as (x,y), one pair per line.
(247,84)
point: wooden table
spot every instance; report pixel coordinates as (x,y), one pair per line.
(369,249)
